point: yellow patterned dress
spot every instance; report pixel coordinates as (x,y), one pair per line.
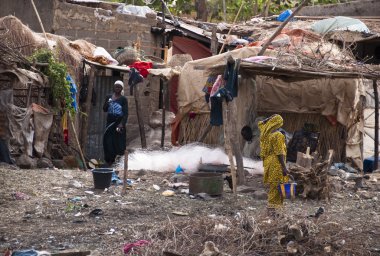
(272,144)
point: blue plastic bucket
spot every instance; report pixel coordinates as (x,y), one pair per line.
(287,190)
(102,177)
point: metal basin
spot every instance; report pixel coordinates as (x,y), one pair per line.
(206,182)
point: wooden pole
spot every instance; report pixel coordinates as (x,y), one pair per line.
(125,173)
(86,108)
(376,94)
(164,85)
(78,144)
(28,97)
(227,144)
(233,24)
(232,118)
(39,20)
(214,42)
(224,11)
(279,29)
(140,120)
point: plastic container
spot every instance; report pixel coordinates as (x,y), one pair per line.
(102,177)
(205,182)
(284,15)
(288,190)
(369,163)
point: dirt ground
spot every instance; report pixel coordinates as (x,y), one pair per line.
(52,213)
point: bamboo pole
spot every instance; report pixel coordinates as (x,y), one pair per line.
(279,29)
(139,115)
(376,156)
(125,173)
(233,24)
(214,42)
(227,144)
(164,85)
(77,141)
(39,20)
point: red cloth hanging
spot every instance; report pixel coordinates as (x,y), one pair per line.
(142,67)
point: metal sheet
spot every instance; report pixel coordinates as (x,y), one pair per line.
(97,119)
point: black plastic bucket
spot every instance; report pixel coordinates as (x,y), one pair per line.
(102,177)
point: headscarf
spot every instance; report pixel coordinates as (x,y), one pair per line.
(119,82)
(266,128)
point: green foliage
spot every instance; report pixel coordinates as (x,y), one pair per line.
(56,72)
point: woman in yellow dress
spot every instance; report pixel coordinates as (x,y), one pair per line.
(273,154)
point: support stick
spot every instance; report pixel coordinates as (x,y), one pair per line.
(279,29)
(376,94)
(140,120)
(78,144)
(233,24)
(39,20)
(125,174)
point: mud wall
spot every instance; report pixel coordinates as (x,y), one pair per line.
(355,8)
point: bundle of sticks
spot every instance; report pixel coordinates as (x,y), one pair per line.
(313,182)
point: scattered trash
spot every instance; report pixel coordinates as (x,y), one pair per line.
(203,196)
(180,213)
(211,249)
(30,253)
(110,232)
(115,179)
(96,212)
(296,232)
(168,193)
(78,214)
(20,196)
(75,184)
(156,187)
(291,247)
(318,213)
(284,15)
(179,169)
(93,163)
(130,247)
(75,199)
(345,167)
(178,184)
(220,227)
(89,192)
(184,191)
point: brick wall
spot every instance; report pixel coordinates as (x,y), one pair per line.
(105,28)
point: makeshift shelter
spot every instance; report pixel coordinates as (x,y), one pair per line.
(300,84)
(25,125)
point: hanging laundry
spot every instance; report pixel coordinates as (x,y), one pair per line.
(142,67)
(230,75)
(73,91)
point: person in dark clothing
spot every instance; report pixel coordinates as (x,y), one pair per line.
(301,140)
(114,139)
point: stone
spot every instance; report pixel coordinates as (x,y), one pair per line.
(26,162)
(60,164)
(260,195)
(179,178)
(291,247)
(245,189)
(44,163)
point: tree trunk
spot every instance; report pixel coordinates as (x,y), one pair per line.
(256,8)
(201,10)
